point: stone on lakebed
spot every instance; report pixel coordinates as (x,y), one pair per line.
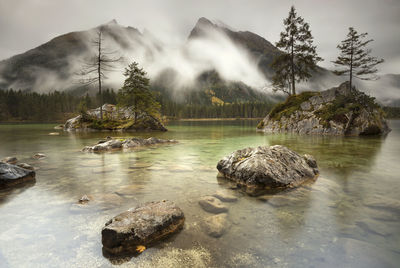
(267,168)
(143,225)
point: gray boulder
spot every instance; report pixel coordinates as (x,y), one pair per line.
(274,168)
(143,225)
(11,175)
(130,143)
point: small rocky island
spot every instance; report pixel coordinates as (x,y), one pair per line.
(113,144)
(264,168)
(114,119)
(337,111)
(134,230)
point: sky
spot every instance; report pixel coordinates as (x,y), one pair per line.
(25,24)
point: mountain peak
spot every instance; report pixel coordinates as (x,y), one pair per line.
(112,22)
(204,22)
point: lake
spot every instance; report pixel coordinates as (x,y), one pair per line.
(349,217)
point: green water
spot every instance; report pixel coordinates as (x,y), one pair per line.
(350,217)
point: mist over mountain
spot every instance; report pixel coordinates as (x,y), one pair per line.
(215,63)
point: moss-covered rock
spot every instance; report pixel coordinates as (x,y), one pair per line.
(337,111)
(114,118)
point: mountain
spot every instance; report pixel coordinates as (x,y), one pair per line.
(51,65)
(215,65)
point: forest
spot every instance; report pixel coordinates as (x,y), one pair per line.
(23,106)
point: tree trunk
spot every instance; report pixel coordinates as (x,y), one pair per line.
(351,66)
(99,77)
(292,67)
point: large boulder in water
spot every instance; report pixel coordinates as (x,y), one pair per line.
(268,168)
(130,143)
(143,225)
(11,175)
(114,118)
(337,111)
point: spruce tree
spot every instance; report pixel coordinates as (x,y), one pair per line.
(136,92)
(299,57)
(355,58)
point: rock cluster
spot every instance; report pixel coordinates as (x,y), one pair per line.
(267,168)
(337,111)
(111,144)
(114,118)
(141,226)
(218,224)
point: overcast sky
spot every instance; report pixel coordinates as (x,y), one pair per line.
(25,24)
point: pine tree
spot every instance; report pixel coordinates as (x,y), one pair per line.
(355,57)
(136,92)
(299,57)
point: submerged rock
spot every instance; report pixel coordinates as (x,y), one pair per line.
(39,156)
(336,111)
(225,196)
(117,144)
(122,119)
(11,175)
(216,225)
(212,204)
(268,168)
(143,225)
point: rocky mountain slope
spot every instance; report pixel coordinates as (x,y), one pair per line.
(337,111)
(53,65)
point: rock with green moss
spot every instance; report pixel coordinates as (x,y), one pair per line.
(337,111)
(114,119)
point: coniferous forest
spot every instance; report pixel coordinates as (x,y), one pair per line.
(23,106)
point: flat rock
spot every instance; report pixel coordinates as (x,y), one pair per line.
(10,160)
(225,196)
(25,166)
(11,175)
(143,225)
(39,156)
(130,143)
(212,204)
(216,225)
(268,168)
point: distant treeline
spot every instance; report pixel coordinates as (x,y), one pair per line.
(226,110)
(17,106)
(20,106)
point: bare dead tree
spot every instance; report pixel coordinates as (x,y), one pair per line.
(95,68)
